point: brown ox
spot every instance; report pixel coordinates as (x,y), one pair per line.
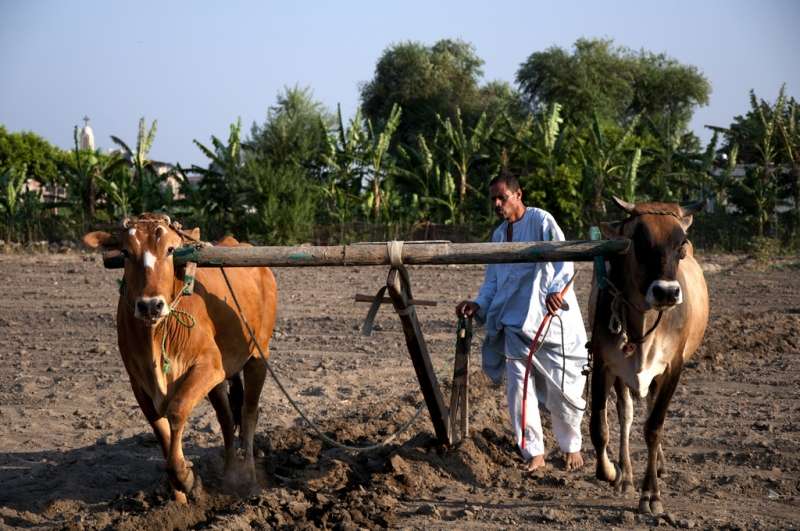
(178,349)
(647,322)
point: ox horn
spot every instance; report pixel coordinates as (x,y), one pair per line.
(624,205)
(692,208)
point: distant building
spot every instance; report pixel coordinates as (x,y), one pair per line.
(86,137)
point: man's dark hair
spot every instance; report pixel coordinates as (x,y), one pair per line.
(507,178)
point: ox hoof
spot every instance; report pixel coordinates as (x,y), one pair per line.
(602,473)
(182,480)
(651,504)
(625,488)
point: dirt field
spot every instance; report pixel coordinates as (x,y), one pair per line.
(76,452)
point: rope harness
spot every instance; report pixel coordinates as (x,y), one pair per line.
(617,322)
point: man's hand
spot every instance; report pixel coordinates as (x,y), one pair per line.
(554,302)
(467,309)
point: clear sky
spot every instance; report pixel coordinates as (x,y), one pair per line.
(198,65)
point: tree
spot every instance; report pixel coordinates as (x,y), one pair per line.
(295,131)
(612,81)
(284,202)
(425,82)
(39,158)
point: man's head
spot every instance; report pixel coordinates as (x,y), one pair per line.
(506,197)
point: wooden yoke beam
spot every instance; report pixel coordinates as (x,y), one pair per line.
(413,253)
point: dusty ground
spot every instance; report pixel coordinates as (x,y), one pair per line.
(75,450)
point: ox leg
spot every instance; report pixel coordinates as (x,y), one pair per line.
(219,399)
(598,423)
(160,427)
(650,501)
(195,384)
(660,467)
(159,424)
(625,414)
(255,372)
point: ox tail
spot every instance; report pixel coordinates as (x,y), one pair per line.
(236,399)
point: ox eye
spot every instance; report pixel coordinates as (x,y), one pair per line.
(125,253)
(170,250)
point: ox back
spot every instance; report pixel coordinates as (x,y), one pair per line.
(648,319)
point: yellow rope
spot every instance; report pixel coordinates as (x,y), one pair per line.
(182,318)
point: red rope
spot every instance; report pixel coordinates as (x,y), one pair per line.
(533,348)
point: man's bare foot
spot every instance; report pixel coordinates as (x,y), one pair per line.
(573,461)
(535,463)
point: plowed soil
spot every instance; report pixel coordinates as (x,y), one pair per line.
(76,452)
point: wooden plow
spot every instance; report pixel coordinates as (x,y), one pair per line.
(450,422)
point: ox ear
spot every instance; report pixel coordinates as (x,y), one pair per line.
(687,212)
(100,239)
(193,233)
(611,230)
(623,205)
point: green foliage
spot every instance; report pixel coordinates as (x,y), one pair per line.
(284,202)
(584,124)
(604,158)
(32,152)
(612,81)
(758,193)
(144,190)
(543,149)
(21,209)
(425,82)
(218,204)
(462,150)
(295,131)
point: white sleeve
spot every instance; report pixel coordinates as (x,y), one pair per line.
(489,286)
(562,271)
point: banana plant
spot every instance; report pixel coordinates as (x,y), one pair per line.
(12,182)
(344,159)
(790,137)
(220,194)
(433,198)
(630,180)
(462,149)
(602,161)
(81,174)
(379,171)
(144,178)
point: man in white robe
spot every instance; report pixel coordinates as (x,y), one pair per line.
(512,302)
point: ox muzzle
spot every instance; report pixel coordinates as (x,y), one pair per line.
(664,294)
(151,309)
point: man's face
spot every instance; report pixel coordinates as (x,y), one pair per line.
(506,203)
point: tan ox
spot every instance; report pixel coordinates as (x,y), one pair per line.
(647,322)
(178,349)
